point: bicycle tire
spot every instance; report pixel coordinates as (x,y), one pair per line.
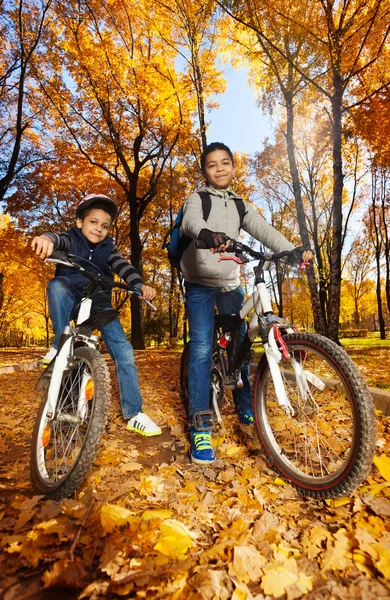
(64,448)
(325,450)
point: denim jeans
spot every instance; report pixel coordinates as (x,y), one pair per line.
(201,301)
(62,298)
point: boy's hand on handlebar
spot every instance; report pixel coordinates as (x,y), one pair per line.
(43,246)
(148,292)
(307,255)
(300,255)
(217,241)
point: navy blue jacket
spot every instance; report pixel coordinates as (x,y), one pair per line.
(99,256)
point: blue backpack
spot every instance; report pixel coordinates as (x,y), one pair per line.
(176,243)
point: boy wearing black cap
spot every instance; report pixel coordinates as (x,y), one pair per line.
(89,240)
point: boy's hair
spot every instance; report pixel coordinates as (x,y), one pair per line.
(102,205)
(211,148)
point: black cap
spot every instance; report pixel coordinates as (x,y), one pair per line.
(92,199)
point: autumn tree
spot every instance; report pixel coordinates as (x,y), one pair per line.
(377,226)
(358,280)
(23,286)
(346,41)
(23,29)
(117,97)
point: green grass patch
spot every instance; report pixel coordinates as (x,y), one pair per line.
(368,342)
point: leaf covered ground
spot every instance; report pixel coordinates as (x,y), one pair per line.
(149,524)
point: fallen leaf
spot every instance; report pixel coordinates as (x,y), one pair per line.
(176,539)
(113,516)
(383,465)
(276,580)
(151,514)
(247,564)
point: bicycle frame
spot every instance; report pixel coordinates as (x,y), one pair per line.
(65,351)
(264,317)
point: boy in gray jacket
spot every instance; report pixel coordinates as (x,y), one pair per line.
(209,283)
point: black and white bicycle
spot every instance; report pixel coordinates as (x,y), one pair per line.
(76,391)
(314,415)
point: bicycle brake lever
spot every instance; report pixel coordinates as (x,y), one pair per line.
(304,264)
(140,296)
(236,259)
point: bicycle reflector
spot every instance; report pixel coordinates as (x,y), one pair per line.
(46,436)
(89,389)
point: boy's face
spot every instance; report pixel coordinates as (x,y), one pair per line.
(95,225)
(219,169)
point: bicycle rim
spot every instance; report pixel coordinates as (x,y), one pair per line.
(65,446)
(325,448)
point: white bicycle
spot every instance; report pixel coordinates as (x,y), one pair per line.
(313,412)
(76,388)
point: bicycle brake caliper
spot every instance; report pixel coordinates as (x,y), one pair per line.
(281,343)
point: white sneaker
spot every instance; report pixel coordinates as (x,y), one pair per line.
(49,356)
(144,425)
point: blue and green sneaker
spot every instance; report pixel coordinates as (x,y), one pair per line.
(246,418)
(202,451)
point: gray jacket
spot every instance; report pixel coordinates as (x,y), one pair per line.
(201,266)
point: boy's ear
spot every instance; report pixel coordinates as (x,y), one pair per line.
(79,223)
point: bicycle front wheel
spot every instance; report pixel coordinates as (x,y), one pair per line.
(65,444)
(325,448)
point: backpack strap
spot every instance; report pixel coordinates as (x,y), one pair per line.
(240,204)
(206,206)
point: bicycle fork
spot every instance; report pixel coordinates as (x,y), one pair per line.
(274,356)
(301,375)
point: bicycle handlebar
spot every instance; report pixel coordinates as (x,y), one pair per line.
(69,260)
(238,248)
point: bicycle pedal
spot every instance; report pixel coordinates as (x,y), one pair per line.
(203,420)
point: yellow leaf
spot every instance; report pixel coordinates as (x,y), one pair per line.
(383,465)
(304,583)
(374,489)
(294,552)
(240,594)
(278,481)
(338,557)
(113,516)
(151,514)
(336,502)
(232,450)
(383,564)
(247,564)
(275,581)
(176,539)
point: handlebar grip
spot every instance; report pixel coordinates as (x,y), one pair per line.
(59,255)
(203,246)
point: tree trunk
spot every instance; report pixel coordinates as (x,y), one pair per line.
(382,329)
(137,336)
(319,323)
(335,256)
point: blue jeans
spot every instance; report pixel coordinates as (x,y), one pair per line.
(62,298)
(201,301)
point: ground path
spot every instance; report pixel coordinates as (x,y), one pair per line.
(249,534)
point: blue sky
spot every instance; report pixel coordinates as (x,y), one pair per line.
(238,122)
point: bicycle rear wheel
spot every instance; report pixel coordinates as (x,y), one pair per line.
(64,445)
(326,448)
